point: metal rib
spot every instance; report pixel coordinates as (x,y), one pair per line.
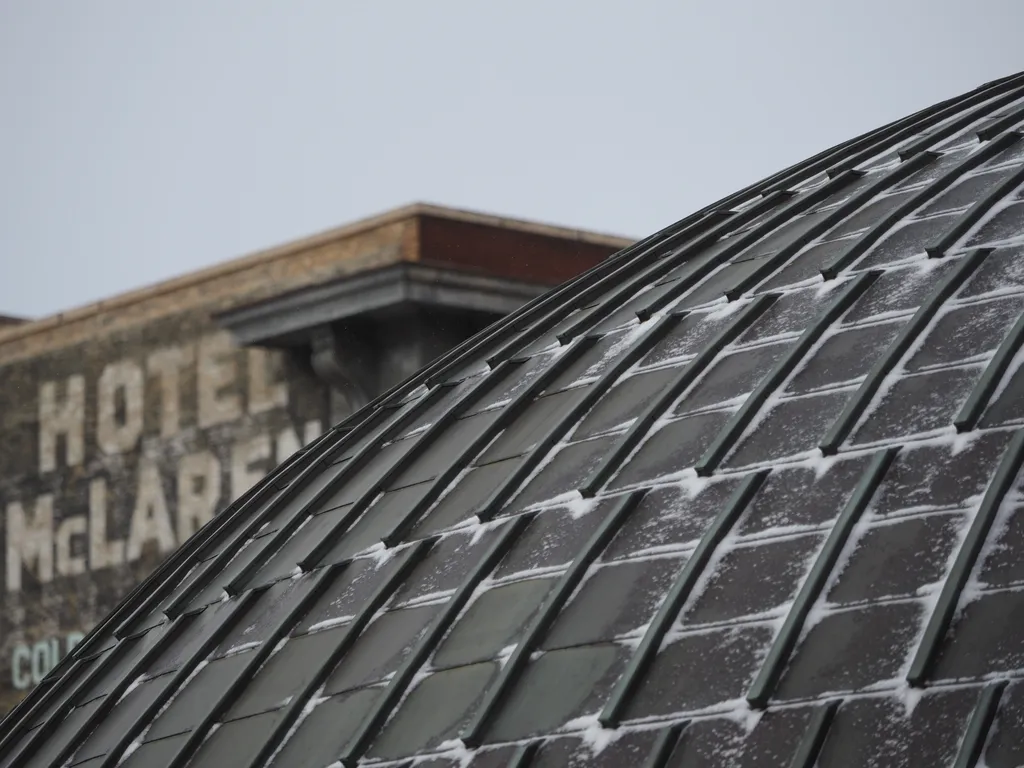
(755,400)
(43,732)
(355,464)
(806,755)
(170,574)
(351,633)
(227,698)
(939,621)
(464,459)
(677,595)
(835,217)
(782,647)
(216,564)
(796,206)
(358,462)
(524,754)
(866,241)
(572,417)
(978,726)
(977,401)
(929,117)
(974,214)
(399,683)
(473,734)
(664,744)
(858,402)
(425,440)
(1001,124)
(145,717)
(692,241)
(641,426)
(962,123)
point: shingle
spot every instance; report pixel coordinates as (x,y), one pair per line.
(753,579)
(494,621)
(882,732)
(616,599)
(625,401)
(699,670)
(236,742)
(898,558)
(852,649)
(967,332)
(320,737)
(917,404)
(434,711)
(193,702)
(670,516)
(557,687)
(673,447)
(985,638)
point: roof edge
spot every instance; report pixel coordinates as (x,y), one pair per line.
(284,250)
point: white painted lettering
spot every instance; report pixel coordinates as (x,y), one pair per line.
(42,660)
(30,541)
(215,373)
(119,433)
(68,564)
(166,364)
(61,418)
(103,552)
(21,674)
(151,520)
(266,389)
(198,492)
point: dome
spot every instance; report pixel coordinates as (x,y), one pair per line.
(745,494)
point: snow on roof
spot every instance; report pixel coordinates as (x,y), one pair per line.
(745,494)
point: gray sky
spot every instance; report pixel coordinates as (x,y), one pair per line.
(140,140)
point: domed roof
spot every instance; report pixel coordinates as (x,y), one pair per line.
(746,494)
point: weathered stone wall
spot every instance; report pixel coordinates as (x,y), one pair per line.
(114,451)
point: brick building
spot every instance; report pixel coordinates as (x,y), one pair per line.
(126,424)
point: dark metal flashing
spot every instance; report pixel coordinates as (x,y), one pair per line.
(756,400)
(974,406)
(864,243)
(979,724)
(858,402)
(782,647)
(611,715)
(806,755)
(403,677)
(473,733)
(966,557)
(640,427)
(376,601)
(966,222)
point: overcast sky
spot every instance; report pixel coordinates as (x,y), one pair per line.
(141,140)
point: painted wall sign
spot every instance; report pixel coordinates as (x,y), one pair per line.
(111,456)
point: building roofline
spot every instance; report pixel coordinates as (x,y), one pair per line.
(284,250)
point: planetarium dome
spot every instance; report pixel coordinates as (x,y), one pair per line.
(745,494)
